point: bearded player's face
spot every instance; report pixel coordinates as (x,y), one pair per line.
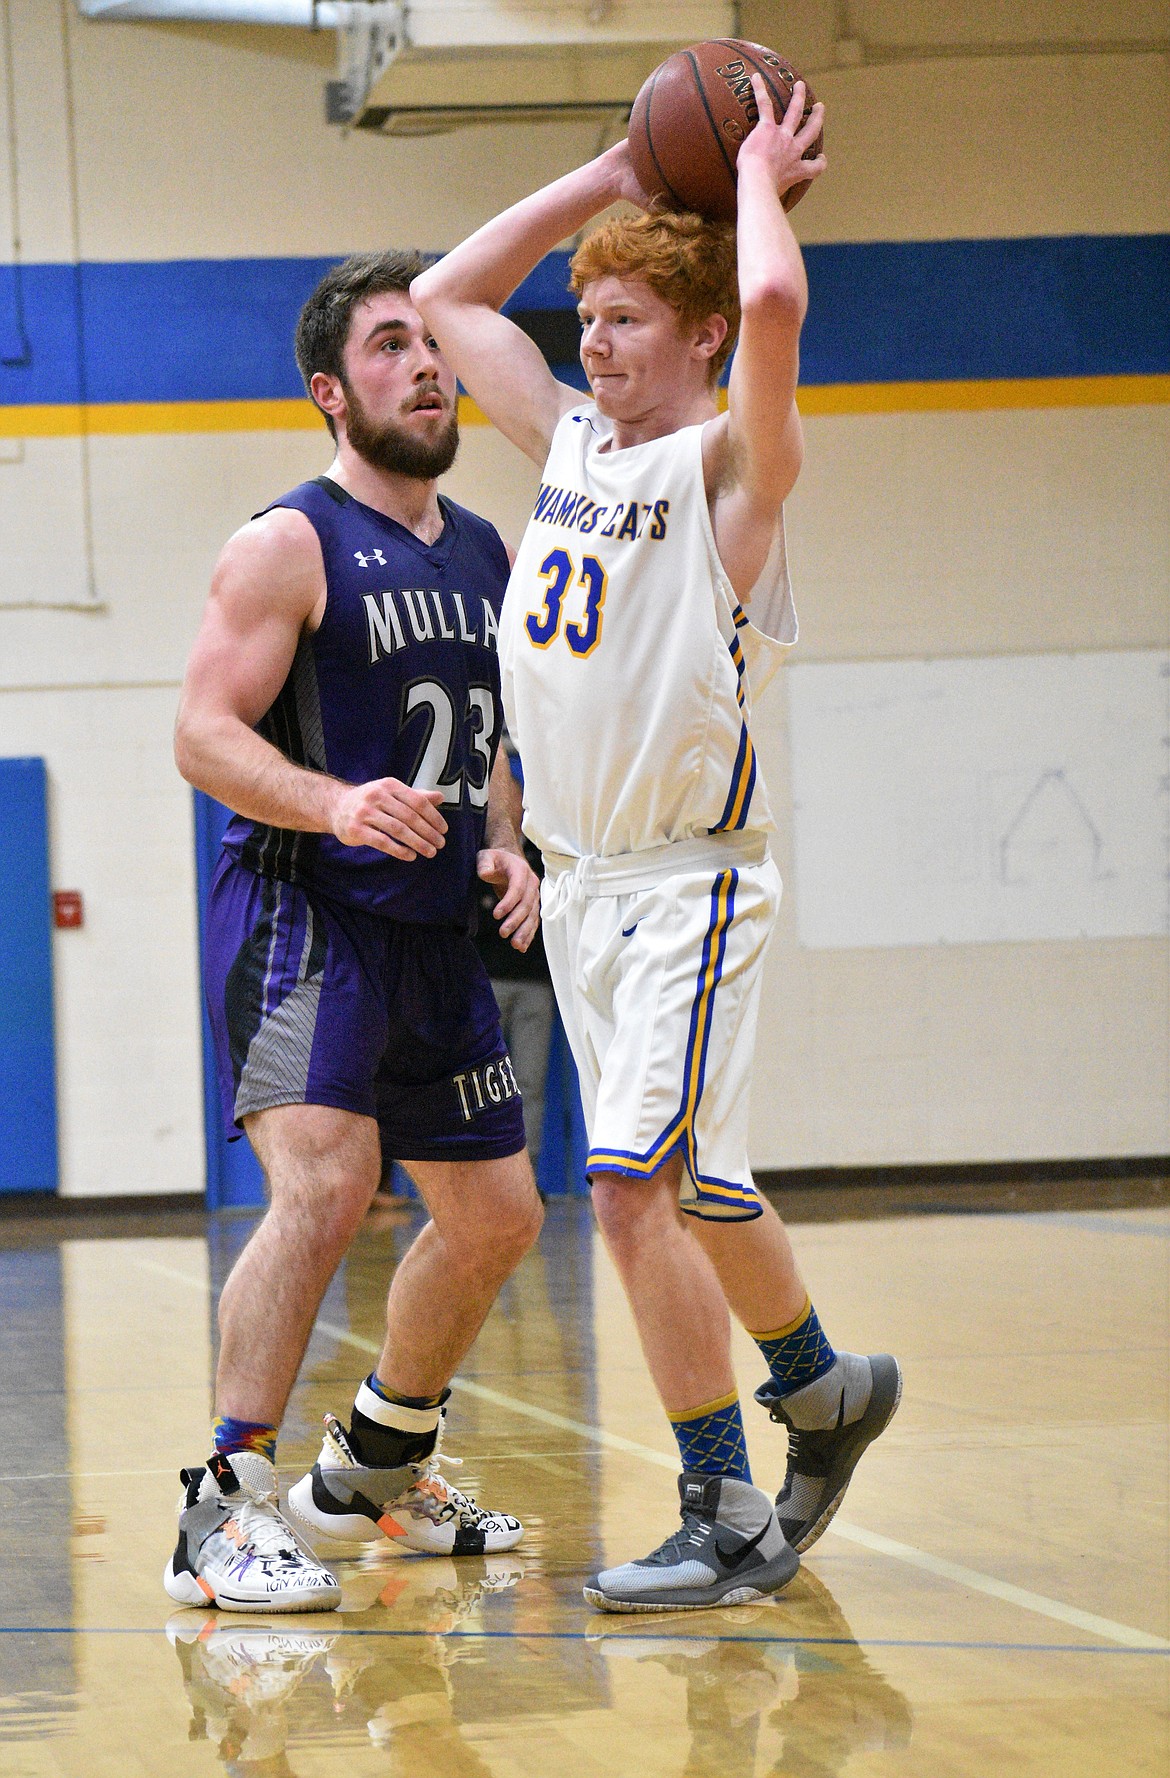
(400,397)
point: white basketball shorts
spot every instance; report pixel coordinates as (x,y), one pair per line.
(657,960)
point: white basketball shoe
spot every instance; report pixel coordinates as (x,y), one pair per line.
(236,1549)
(414,1504)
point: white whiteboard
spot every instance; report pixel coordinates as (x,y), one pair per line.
(967,801)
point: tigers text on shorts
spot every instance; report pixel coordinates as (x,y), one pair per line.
(316,1003)
(657,960)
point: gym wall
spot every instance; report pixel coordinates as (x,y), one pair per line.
(948,533)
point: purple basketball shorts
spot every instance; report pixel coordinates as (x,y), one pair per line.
(316,1003)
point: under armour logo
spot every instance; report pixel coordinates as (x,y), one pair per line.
(364,561)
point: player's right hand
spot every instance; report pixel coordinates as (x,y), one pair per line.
(391,817)
(781,143)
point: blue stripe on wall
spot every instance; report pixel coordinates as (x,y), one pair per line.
(936,311)
(221,330)
(1077,306)
(195,330)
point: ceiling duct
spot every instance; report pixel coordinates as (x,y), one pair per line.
(428,65)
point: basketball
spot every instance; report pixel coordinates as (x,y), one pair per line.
(692,114)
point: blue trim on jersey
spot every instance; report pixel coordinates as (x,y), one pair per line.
(743,783)
(736,652)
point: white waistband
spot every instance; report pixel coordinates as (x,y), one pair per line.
(626,873)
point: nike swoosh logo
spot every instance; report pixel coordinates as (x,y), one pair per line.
(734,1558)
(629,931)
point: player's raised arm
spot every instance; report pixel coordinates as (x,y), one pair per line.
(268,584)
(460,298)
(764,443)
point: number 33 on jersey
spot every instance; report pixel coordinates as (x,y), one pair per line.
(618,602)
(560,571)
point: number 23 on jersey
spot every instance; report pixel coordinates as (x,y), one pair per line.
(561,574)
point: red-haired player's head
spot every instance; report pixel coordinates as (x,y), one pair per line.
(659,304)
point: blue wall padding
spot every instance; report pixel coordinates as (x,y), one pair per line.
(13,344)
(28,1091)
(906,311)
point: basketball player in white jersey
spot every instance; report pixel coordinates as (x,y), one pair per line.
(648,607)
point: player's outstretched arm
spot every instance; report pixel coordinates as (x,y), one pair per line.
(460,298)
(268,584)
(762,444)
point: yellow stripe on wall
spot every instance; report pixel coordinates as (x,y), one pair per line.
(71,420)
(1021,392)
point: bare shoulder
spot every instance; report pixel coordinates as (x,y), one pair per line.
(278,542)
(273,560)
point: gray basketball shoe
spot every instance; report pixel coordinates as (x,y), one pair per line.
(235,1549)
(729,1550)
(830,1423)
(414,1504)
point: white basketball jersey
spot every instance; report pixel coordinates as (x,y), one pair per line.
(629,667)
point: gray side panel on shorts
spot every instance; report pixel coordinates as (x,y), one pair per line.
(276,1070)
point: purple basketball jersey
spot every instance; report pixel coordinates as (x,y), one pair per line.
(401,680)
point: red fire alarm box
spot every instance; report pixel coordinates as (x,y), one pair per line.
(68,908)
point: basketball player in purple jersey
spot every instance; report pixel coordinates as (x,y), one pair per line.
(343,698)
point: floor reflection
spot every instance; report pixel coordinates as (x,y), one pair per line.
(817,1688)
(413,1670)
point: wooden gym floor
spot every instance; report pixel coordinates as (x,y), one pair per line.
(994,1598)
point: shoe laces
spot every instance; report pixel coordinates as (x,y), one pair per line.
(691,1534)
(261,1524)
(335,1438)
(435,1493)
(429,1492)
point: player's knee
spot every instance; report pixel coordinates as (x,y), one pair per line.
(332,1201)
(506,1231)
(620,1206)
(529,1222)
(520,1219)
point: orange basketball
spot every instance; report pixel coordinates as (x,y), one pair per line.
(691,116)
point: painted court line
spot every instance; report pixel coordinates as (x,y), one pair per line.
(595,1638)
(1054,1609)
(1001,1589)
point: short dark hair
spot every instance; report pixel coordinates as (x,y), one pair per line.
(324,322)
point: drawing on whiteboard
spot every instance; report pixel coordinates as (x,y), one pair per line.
(1052,832)
(1020,805)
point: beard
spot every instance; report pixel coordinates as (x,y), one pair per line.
(386,445)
